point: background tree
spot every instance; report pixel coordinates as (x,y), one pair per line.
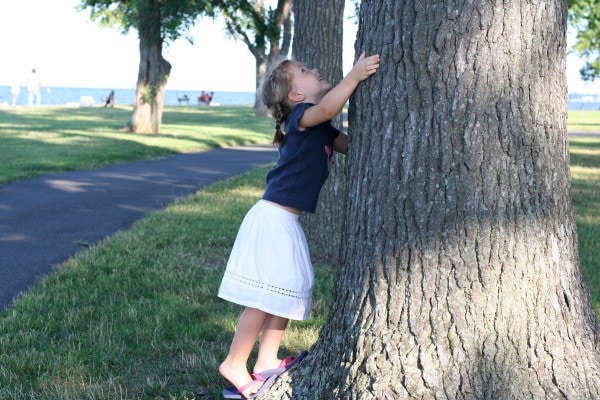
(157,22)
(267,32)
(318,42)
(584,17)
(459,276)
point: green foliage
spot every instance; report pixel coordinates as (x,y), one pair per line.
(254,24)
(166,19)
(584,17)
(148,94)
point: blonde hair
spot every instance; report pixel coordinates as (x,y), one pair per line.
(274,94)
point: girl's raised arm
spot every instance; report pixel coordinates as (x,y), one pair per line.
(333,102)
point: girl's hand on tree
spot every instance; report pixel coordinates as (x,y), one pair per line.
(365,67)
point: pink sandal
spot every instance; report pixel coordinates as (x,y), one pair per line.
(234,393)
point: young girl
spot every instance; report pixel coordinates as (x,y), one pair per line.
(269,269)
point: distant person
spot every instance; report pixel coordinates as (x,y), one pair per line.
(110,100)
(205,98)
(15,89)
(33,88)
(201,98)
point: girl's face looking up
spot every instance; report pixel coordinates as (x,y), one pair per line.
(309,83)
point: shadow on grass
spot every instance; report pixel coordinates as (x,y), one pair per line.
(584,151)
(590,143)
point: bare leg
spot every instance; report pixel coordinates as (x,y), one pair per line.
(272,333)
(234,367)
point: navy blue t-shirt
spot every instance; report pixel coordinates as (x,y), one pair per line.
(303,164)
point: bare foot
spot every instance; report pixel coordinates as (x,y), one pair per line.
(275,364)
(262,365)
(239,376)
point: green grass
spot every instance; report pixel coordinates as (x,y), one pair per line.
(137,316)
(36,141)
(585,190)
(584,121)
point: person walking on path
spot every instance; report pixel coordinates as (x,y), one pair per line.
(269,269)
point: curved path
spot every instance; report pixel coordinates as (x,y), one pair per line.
(44,221)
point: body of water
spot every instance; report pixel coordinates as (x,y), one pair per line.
(95,96)
(584,102)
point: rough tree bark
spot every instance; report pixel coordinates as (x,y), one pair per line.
(153,73)
(150,89)
(318,42)
(459,274)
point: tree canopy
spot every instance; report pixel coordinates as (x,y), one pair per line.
(257,25)
(176,16)
(584,17)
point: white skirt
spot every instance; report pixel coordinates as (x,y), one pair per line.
(269,267)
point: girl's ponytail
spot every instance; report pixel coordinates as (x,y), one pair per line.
(279,119)
(274,93)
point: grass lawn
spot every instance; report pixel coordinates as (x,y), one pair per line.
(36,141)
(584,121)
(585,191)
(136,316)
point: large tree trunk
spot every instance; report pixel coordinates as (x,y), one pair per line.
(460,275)
(318,42)
(149,94)
(152,75)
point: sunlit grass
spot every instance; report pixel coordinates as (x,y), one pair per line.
(40,140)
(584,121)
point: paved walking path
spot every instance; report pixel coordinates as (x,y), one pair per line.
(44,221)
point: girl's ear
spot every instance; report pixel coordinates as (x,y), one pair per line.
(296,97)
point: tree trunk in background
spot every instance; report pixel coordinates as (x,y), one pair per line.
(150,89)
(459,274)
(318,42)
(153,73)
(279,45)
(262,63)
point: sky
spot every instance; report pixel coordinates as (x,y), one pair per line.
(68,49)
